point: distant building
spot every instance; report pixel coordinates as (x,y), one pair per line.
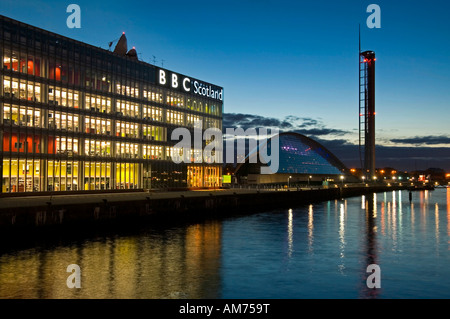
(77,117)
(301,160)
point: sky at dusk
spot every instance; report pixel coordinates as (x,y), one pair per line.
(292,64)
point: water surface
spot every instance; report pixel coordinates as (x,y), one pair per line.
(313,251)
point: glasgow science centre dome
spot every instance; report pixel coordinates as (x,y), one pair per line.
(300,158)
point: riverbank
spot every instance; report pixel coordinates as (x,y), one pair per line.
(86,209)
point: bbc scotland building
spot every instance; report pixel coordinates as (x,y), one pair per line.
(77,117)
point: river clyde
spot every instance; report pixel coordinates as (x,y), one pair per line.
(320,250)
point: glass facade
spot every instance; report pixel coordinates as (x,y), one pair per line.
(298,154)
(77,117)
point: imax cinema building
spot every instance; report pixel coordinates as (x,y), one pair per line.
(77,117)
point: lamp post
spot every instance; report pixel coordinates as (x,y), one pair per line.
(289,179)
(342,180)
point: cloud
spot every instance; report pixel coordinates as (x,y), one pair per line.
(423,140)
(402,158)
(423,155)
(320,131)
(307,122)
(245,121)
(303,125)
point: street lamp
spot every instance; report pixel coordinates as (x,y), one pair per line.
(342,180)
(289,180)
(309,177)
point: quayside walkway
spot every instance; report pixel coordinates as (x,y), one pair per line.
(59,209)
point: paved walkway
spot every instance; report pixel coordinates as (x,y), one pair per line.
(68,199)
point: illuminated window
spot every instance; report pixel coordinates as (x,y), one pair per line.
(126,129)
(97,176)
(127,150)
(21,175)
(152,94)
(154,133)
(126,175)
(152,113)
(175,100)
(66,146)
(10,61)
(97,103)
(152,152)
(175,117)
(125,108)
(7,87)
(128,90)
(191,119)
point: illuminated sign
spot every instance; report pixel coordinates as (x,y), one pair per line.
(226,179)
(186,84)
(207,90)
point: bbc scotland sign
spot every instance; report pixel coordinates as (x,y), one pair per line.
(186,84)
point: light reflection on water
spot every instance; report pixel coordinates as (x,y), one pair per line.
(176,263)
(316,251)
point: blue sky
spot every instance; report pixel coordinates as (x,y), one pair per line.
(288,58)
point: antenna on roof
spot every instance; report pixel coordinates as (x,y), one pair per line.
(111,43)
(162,63)
(359,34)
(154,60)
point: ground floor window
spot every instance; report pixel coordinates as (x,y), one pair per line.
(203,176)
(33,175)
(97,176)
(21,175)
(195,176)
(127,175)
(62,175)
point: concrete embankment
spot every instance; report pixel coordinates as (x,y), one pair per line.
(87,209)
